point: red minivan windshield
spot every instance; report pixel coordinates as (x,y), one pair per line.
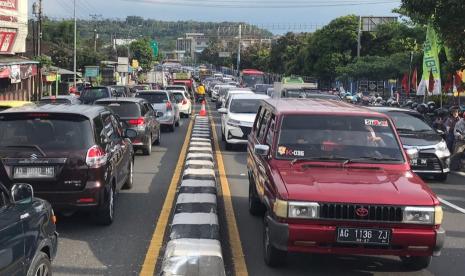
(337,137)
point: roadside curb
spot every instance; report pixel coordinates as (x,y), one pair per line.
(194,246)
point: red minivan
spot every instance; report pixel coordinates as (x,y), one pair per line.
(330,177)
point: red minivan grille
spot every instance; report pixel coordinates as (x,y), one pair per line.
(338,211)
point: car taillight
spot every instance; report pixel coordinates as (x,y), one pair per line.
(184,102)
(169,106)
(137,122)
(96,157)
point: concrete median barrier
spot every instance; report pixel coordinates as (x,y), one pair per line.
(194,247)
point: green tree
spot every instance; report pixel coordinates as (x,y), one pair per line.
(447,16)
(141,50)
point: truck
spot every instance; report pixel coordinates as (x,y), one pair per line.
(157,77)
(282,90)
(183,78)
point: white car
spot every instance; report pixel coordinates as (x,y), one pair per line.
(217,89)
(183,102)
(238,117)
(233,91)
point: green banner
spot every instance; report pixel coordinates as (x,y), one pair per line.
(430,63)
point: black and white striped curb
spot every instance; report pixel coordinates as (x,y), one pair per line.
(194,247)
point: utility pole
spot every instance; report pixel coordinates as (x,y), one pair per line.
(239,50)
(359,36)
(39,31)
(95,18)
(75,45)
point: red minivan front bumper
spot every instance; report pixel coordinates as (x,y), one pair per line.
(321,238)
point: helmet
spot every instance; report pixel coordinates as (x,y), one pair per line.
(431,106)
(414,105)
(422,108)
(395,104)
(409,103)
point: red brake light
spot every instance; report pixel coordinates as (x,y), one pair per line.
(184,102)
(96,157)
(169,106)
(137,122)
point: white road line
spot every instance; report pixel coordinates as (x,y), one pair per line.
(453,206)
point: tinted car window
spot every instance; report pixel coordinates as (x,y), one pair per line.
(244,106)
(120,91)
(55,101)
(154,98)
(406,122)
(350,137)
(178,96)
(48,132)
(4,108)
(123,109)
(93,94)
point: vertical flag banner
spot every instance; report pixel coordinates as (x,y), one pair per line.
(414,79)
(430,63)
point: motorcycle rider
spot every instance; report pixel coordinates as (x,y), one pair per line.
(459,145)
(450,127)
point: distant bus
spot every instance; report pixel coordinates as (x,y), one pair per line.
(251,77)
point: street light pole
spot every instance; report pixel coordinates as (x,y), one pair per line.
(75,42)
(239,50)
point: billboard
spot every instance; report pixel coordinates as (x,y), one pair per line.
(13,26)
(369,23)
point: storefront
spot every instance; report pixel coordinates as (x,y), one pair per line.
(18,78)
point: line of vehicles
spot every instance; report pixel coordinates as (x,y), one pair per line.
(331,177)
(75,154)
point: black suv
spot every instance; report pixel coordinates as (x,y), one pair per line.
(137,114)
(75,157)
(28,238)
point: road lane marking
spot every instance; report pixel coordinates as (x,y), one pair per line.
(451,205)
(240,268)
(153,252)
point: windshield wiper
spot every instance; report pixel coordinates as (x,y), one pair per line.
(405,130)
(327,159)
(26,147)
(372,158)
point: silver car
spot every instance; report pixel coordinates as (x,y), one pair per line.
(165,105)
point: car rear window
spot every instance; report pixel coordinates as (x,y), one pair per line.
(178,96)
(46,131)
(123,109)
(55,101)
(154,98)
(338,137)
(95,93)
(120,90)
(244,106)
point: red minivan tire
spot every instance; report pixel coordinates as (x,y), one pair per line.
(273,256)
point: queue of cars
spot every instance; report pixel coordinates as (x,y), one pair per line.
(334,178)
(76,154)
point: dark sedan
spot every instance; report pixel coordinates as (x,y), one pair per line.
(434,157)
(28,238)
(138,114)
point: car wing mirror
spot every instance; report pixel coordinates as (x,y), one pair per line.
(158,114)
(130,133)
(22,193)
(262,150)
(440,132)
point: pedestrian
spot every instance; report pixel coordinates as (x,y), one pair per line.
(459,144)
(450,126)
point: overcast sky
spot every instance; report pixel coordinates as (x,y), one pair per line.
(261,12)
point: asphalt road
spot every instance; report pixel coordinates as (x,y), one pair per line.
(89,249)
(451,262)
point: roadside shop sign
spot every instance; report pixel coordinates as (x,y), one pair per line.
(91,71)
(13,26)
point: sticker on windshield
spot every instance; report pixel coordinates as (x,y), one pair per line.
(374,122)
(285,151)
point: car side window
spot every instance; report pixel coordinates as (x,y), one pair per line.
(143,109)
(149,108)
(118,133)
(270,133)
(263,125)
(3,199)
(258,118)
